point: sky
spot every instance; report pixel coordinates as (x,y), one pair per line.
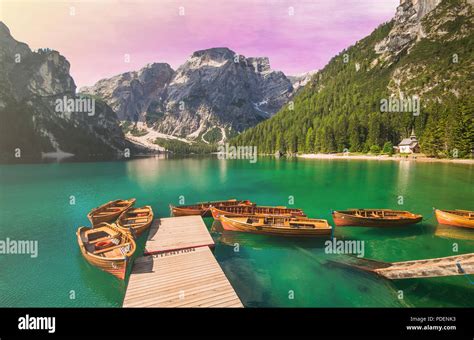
(102,38)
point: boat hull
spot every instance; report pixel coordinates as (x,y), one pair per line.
(204,209)
(232,225)
(177,211)
(451,219)
(116,266)
(345,220)
(234,211)
(105,219)
(139,229)
(96,216)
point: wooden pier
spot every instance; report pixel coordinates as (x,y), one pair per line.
(179,269)
(442,266)
(174,233)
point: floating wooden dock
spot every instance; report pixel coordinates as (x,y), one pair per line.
(180,270)
(442,266)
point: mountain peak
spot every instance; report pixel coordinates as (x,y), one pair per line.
(407,27)
(212,91)
(215,53)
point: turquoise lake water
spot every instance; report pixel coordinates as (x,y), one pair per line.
(265,271)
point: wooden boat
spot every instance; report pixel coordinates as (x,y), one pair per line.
(107,247)
(456,218)
(109,211)
(423,268)
(374,218)
(203,208)
(277,225)
(136,220)
(239,210)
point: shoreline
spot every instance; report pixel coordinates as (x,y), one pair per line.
(411,158)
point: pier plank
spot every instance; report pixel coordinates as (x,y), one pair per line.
(177,233)
(178,280)
(179,269)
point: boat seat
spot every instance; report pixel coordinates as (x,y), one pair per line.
(133,224)
(102,213)
(137,211)
(95,235)
(100,251)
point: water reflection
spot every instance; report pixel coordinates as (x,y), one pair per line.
(223,170)
(403,177)
(145,171)
(105,286)
(454,232)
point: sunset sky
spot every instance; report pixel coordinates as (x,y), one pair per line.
(95,35)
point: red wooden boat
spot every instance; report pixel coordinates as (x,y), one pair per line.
(374,218)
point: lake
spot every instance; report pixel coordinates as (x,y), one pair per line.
(47,203)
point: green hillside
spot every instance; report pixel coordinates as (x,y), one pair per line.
(341,107)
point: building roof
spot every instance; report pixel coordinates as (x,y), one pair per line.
(408,142)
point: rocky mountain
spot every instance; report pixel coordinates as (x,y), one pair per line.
(407,28)
(300,80)
(216,93)
(130,94)
(40,111)
(422,61)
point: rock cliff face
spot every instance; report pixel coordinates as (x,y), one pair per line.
(407,28)
(31,84)
(300,80)
(215,90)
(129,94)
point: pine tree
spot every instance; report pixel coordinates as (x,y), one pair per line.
(309,141)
